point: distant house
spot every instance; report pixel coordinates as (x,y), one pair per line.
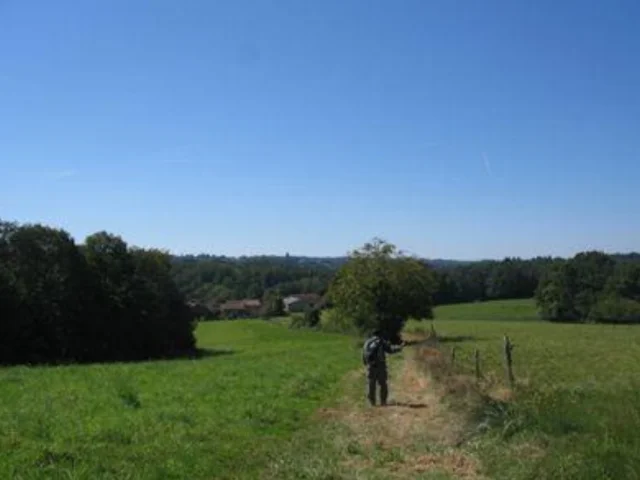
(301,302)
(241,308)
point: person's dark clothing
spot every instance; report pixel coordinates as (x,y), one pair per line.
(377,368)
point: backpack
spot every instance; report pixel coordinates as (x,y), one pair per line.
(371,349)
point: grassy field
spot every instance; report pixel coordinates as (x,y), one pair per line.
(217,417)
(273,403)
(500,310)
(576,409)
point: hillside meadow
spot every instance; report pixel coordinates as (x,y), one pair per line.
(497,310)
(575,412)
(266,401)
(221,416)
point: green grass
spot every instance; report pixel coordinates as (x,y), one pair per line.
(245,410)
(218,417)
(577,400)
(500,310)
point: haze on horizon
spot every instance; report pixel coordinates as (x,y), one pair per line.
(454,130)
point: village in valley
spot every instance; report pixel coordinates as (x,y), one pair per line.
(253,307)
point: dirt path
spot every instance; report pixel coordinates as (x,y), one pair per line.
(414,437)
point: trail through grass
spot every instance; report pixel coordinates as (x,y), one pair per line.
(412,438)
(575,413)
(267,402)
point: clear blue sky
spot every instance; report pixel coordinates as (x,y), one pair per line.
(461,129)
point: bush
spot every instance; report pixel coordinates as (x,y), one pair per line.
(298,320)
(309,319)
(312,317)
(334,321)
(272,306)
(615,310)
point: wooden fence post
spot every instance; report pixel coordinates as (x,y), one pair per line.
(477,357)
(508,348)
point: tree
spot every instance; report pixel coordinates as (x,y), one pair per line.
(114,310)
(163,318)
(591,271)
(380,287)
(50,272)
(591,287)
(615,309)
(511,278)
(625,281)
(98,302)
(10,297)
(140,313)
(555,294)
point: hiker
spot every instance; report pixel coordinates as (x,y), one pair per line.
(374,358)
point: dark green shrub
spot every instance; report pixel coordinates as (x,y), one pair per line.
(308,319)
(615,310)
(312,317)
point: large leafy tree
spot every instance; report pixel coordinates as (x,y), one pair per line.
(380,287)
(114,304)
(43,275)
(164,320)
(140,311)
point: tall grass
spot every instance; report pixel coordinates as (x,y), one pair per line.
(244,409)
(575,412)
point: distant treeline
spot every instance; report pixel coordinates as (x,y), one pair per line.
(217,279)
(104,300)
(211,279)
(98,301)
(589,287)
(510,278)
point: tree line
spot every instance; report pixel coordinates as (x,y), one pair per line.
(215,279)
(210,279)
(379,288)
(105,300)
(591,287)
(98,301)
(511,278)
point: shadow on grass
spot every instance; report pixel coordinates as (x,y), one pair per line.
(201,353)
(442,339)
(408,405)
(420,341)
(195,354)
(458,339)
